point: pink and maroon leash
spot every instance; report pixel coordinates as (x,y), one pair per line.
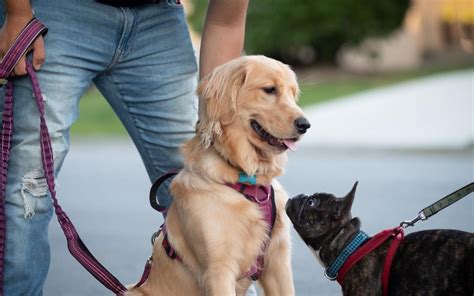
(75,245)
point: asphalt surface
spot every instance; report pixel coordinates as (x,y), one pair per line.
(103,187)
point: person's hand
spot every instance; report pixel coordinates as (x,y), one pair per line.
(9,32)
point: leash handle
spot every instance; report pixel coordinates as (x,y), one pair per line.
(20,46)
(444,202)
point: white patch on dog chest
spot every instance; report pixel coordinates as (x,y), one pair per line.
(316,254)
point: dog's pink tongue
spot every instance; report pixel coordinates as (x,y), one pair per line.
(290,144)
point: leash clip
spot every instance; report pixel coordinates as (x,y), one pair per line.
(3,82)
(406,224)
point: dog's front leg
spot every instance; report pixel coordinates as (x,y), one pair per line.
(277,277)
(219,280)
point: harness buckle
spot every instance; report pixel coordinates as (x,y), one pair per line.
(3,82)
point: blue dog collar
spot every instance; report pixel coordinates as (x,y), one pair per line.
(244,178)
(332,271)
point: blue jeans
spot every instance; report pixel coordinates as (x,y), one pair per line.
(142,61)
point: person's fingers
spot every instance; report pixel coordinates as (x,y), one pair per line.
(38,53)
(20,68)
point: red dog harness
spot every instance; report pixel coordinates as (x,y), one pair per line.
(264,196)
(396,233)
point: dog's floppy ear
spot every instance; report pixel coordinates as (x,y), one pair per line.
(344,205)
(217,99)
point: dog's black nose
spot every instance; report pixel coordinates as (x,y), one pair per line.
(302,124)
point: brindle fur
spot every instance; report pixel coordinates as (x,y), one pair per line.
(431,262)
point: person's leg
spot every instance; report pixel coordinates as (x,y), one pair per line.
(75,52)
(152,85)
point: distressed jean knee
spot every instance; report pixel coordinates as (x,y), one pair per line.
(33,187)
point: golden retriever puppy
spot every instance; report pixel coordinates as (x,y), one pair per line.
(248,119)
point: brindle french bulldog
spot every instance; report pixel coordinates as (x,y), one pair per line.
(431,262)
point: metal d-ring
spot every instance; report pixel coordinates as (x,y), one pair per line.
(329,277)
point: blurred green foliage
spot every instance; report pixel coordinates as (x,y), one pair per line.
(305,31)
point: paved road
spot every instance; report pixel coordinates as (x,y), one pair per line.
(103,187)
(432,112)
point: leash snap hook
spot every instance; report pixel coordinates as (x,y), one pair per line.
(406,224)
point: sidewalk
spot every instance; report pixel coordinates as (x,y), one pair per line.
(430,113)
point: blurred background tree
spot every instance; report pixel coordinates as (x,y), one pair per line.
(337,47)
(308,31)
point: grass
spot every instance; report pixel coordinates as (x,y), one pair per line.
(329,90)
(98,119)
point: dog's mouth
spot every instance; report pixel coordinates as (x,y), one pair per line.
(280,144)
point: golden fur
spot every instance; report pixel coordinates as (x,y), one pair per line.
(216,231)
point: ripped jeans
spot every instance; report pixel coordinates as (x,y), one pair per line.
(142,61)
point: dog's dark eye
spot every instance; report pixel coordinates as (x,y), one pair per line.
(312,202)
(271,90)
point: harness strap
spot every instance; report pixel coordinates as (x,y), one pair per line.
(371,245)
(146,273)
(264,196)
(397,239)
(169,250)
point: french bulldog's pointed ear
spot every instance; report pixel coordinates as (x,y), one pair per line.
(353,190)
(343,205)
(349,198)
